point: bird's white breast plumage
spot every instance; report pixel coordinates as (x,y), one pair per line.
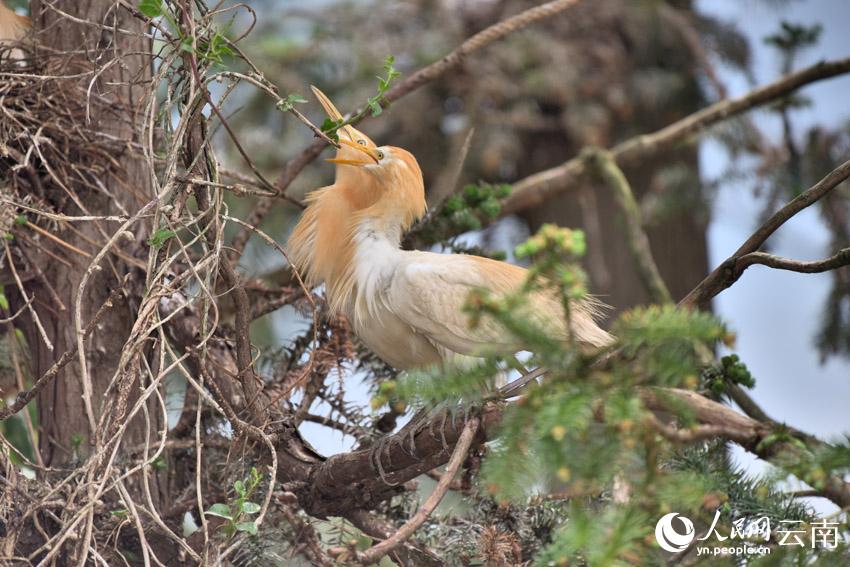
(409,304)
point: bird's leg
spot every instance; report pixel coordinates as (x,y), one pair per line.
(381,472)
(410,429)
(384,444)
(443,420)
(470,410)
(513,388)
(375,457)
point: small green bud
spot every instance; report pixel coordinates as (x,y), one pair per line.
(466,220)
(579,246)
(453,203)
(502,191)
(471,193)
(490,207)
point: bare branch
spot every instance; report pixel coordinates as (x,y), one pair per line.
(723,422)
(23,398)
(837,260)
(611,173)
(728,272)
(542,186)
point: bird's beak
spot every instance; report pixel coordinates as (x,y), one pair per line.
(371,152)
(332,111)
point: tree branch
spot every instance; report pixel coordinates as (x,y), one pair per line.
(361,479)
(771,441)
(839,259)
(605,165)
(376,552)
(475,43)
(729,271)
(542,186)
(408,554)
(25,397)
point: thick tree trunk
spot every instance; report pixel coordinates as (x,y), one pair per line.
(113,112)
(103,52)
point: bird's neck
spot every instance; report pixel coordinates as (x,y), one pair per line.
(375,257)
(368,231)
(343,248)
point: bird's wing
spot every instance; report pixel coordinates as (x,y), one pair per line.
(428,292)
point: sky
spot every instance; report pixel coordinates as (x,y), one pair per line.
(776,313)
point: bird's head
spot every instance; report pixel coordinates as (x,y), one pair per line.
(352,141)
(377,189)
(382,181)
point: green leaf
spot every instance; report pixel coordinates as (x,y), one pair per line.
(218,48)
(290,101)
(247,527)
(186,45)
(220,510)
(160,237)
(21,220)
(4,302)
(240,487)
(330,126)
(151,8)
(374,103)
(250,507)
(392,73)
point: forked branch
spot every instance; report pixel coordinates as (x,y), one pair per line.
(731,269)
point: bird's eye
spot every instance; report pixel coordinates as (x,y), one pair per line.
(361,142)
(380,154)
